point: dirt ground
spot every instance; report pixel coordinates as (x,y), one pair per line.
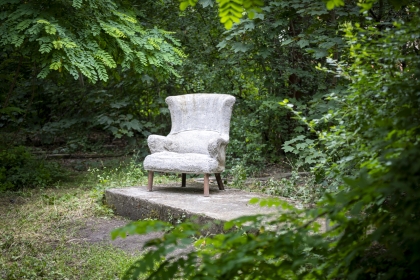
(98,230)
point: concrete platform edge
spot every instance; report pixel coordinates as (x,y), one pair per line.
(137,208)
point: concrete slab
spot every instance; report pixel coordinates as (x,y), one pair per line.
(174,204)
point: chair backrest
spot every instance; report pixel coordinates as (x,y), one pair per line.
(201,111)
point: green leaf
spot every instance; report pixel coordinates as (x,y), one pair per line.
(303,43)
(330,4)
(288,149)
(55,65)
(228,24)
(184,5)
(24,24)
(50,29)
(254,200)
(77,3)
(43,73)
(301,146)
(240,47)
(287,42)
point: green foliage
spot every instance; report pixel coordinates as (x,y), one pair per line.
(43,235)
(298,187)
(227,256)
(85,37)
(246,146)
(43,42)
(277,54)
(124,175)
(305,149)
(230,11)
(239,176)
(261,62)
(372,134)
(370,143)
(252,61)
(48,262)
(381,135)
(19,169)
(331,4)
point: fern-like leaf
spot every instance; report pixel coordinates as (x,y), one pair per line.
(112,30)
(55,65)
(101,70)
(45,48)
(106,58)
(77,3)
(50,29)
(138,66)
(142,58)
(43,73)
(23,24)
(17,40)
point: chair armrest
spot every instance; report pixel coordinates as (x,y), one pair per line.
(217,147)
(156,143)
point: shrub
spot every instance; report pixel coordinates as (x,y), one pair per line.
(374,219)
(20,169)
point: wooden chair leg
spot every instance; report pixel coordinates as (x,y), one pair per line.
(219,181)
(184,180)
(150,181)
(206,185)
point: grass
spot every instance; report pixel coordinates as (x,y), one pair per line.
(39,228)
(298,188)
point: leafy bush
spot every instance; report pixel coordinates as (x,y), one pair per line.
(297,187)
(372,221)
(19,169)
(124,175)
(305,149)
(239,175)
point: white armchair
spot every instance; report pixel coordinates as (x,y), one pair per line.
(198,138)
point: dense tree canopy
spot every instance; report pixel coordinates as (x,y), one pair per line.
(333,85)
(85,37)
(53,53)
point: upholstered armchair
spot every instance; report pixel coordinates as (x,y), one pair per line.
(197,141)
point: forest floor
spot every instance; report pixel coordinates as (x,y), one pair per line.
(63,232)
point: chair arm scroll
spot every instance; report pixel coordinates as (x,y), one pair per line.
(156,143)
(217,147)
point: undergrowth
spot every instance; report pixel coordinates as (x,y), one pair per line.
(20,169)
(39,236)
(296,186)
(39,232)
(39,228)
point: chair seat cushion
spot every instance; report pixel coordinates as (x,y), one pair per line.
(182,163)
